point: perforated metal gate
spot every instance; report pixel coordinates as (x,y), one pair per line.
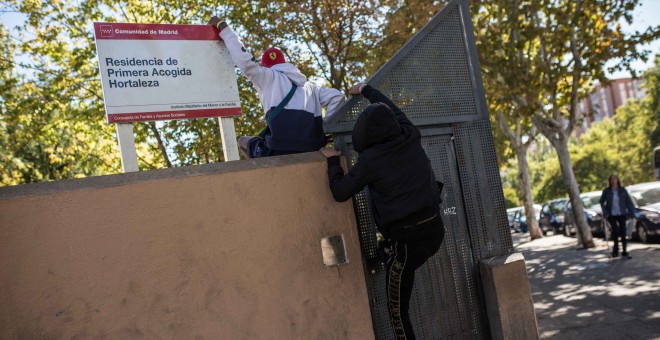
(435,80)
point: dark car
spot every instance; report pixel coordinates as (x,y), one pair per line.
(520,220)
(592,212)
(511,214)
(646,198)
(552,216)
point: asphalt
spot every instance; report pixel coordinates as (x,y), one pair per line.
(584,294)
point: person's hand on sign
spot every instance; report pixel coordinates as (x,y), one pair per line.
(217,23)
(356,89)
(329,152)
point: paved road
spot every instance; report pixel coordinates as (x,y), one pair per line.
(583,294)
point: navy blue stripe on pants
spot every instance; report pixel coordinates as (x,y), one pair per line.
(404,259)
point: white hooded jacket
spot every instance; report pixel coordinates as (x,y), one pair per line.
(299,126)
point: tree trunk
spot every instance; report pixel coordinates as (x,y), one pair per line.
(526,187)
(581,226)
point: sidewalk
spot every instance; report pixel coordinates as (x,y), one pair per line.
(583,294)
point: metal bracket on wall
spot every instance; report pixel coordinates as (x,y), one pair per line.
(333,250)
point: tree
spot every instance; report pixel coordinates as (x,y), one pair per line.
(41,137)
(620,145)
(8,81)
(652,85)
(572,41)
(549,53)
(328,39)
(506,53)
(403,20)
(542,56)
(61,87)
(623,143)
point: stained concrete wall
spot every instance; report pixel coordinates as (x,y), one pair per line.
(221,251)
(508,298)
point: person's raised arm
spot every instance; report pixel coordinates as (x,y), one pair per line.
(376,96)
(344,186)
(246,62)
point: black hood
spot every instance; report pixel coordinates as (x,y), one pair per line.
(375,125)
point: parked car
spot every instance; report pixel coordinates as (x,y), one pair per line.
(592,212)
(552,216)
(511,214)
(646,198)
(520,220)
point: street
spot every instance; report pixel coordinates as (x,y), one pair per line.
(583,294)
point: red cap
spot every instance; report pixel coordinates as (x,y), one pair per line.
(272,56)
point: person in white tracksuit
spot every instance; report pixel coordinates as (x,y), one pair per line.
(299,126)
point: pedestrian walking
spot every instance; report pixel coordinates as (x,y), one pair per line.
(617,207)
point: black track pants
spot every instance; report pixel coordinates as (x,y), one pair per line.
(618,224)
(404,258)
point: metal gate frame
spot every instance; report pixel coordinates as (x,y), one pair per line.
(435,79)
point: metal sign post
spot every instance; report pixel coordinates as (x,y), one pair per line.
(228,135)
(126,140)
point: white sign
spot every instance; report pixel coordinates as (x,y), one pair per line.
(162,72)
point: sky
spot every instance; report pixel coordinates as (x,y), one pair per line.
(646,14)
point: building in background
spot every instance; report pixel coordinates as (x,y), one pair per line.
(604,100)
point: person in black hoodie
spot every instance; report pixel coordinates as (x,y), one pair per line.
(405,195)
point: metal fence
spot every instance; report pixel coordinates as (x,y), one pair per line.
(436,81)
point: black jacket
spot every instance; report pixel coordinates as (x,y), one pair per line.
(392,163)
(625,202)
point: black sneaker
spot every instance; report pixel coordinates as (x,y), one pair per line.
(626,256)
(615,254)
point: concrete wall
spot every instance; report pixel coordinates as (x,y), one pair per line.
(221,251)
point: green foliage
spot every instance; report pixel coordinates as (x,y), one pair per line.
(576,40)
(592,163)
(511,199)
(550,184)
(511,185)
(44,134)
(618,145)
(403,19)
(630,141)
(539,58)
(652,85)
(505,40)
